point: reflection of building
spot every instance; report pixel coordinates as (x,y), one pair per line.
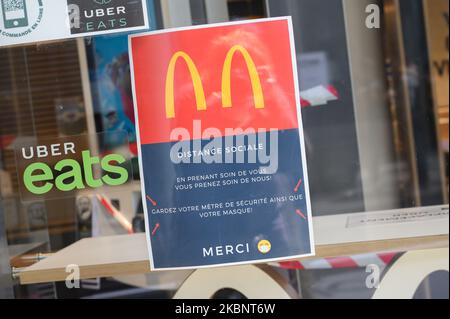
(436,20)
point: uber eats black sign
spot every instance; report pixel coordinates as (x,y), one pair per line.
(54,168)
(101,15)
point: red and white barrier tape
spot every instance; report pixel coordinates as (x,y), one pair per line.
(318,95)
(356,261)
(121,219)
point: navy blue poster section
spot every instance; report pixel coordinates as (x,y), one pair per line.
(191,219)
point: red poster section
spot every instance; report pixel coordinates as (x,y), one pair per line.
(216,75)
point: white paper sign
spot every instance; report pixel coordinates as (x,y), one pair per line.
(27,21)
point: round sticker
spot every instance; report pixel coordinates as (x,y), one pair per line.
(264,246)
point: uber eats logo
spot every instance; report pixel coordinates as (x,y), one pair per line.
(68,166)
(102,15)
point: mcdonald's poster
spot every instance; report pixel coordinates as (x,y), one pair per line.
(221,146)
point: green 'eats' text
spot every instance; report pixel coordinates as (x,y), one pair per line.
(39,178)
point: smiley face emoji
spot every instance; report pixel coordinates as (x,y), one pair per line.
(264,246)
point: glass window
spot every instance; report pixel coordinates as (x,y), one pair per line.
(373,79)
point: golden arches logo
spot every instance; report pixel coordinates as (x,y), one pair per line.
(258,95)
(198,86)
(254,78)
